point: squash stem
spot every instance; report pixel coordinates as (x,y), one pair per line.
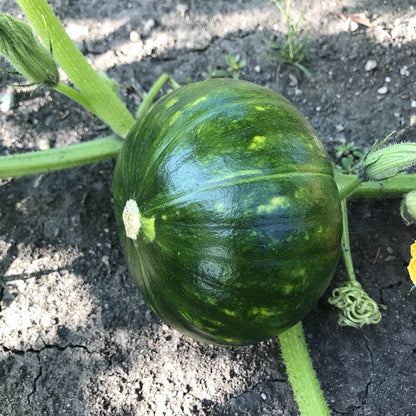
(74,95)
(350,186)
(97,93)
(345,243)
(347,184)
(393,187)
(150,96)
(302,376)
(60,158)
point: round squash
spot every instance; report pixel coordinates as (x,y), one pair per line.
(228,211)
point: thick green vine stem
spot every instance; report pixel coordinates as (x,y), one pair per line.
(302,376)
(356,307)
(60,158)
(77,154)
(97,94)
(151,95)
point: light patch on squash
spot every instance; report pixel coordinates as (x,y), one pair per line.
(171,102)
(219,207)
(274,204)
(262,312)
(229,312)
(174,117)
(196,102)
(257,143)
(131,219)
(259,108)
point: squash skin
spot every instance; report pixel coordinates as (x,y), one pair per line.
(244,208)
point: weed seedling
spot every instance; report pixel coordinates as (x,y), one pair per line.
(295,48)
(349,155)
(234,64)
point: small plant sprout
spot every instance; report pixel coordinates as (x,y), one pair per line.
(349,156)
(212,72)
(295,48)
(234,64)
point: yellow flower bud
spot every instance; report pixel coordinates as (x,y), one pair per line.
(19,45)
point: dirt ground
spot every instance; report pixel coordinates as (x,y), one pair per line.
(76,337)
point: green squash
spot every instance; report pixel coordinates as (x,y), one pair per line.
(228,211)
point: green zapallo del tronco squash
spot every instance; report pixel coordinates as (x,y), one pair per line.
(232,227)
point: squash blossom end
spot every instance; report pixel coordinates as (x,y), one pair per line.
(131,219)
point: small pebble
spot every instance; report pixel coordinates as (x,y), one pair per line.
(388,79)
(413,120)
(263,396)
(44,144)
(349,25)
(404,70)
(413,104)
(339,128)
(370,65)
(293,81)
(7,101)
(257,68)
(182,9)
(383,90)
(134,36)
(149,25)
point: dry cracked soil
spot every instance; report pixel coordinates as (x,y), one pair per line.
(76,337)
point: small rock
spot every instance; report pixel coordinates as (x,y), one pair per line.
(388,79)
(134,36)
(339,128)
(413,104)
(370,65)
(44,144)
(7,101)
(182,9)
(293,81)
(404,71)
(413,120)
(149,25)
(263,396)
(383,90)
(349,25)
(257,68)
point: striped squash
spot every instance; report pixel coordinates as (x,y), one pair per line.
(228,211)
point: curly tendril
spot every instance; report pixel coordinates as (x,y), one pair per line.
(357,308)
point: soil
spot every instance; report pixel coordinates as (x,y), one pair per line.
(76,337)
